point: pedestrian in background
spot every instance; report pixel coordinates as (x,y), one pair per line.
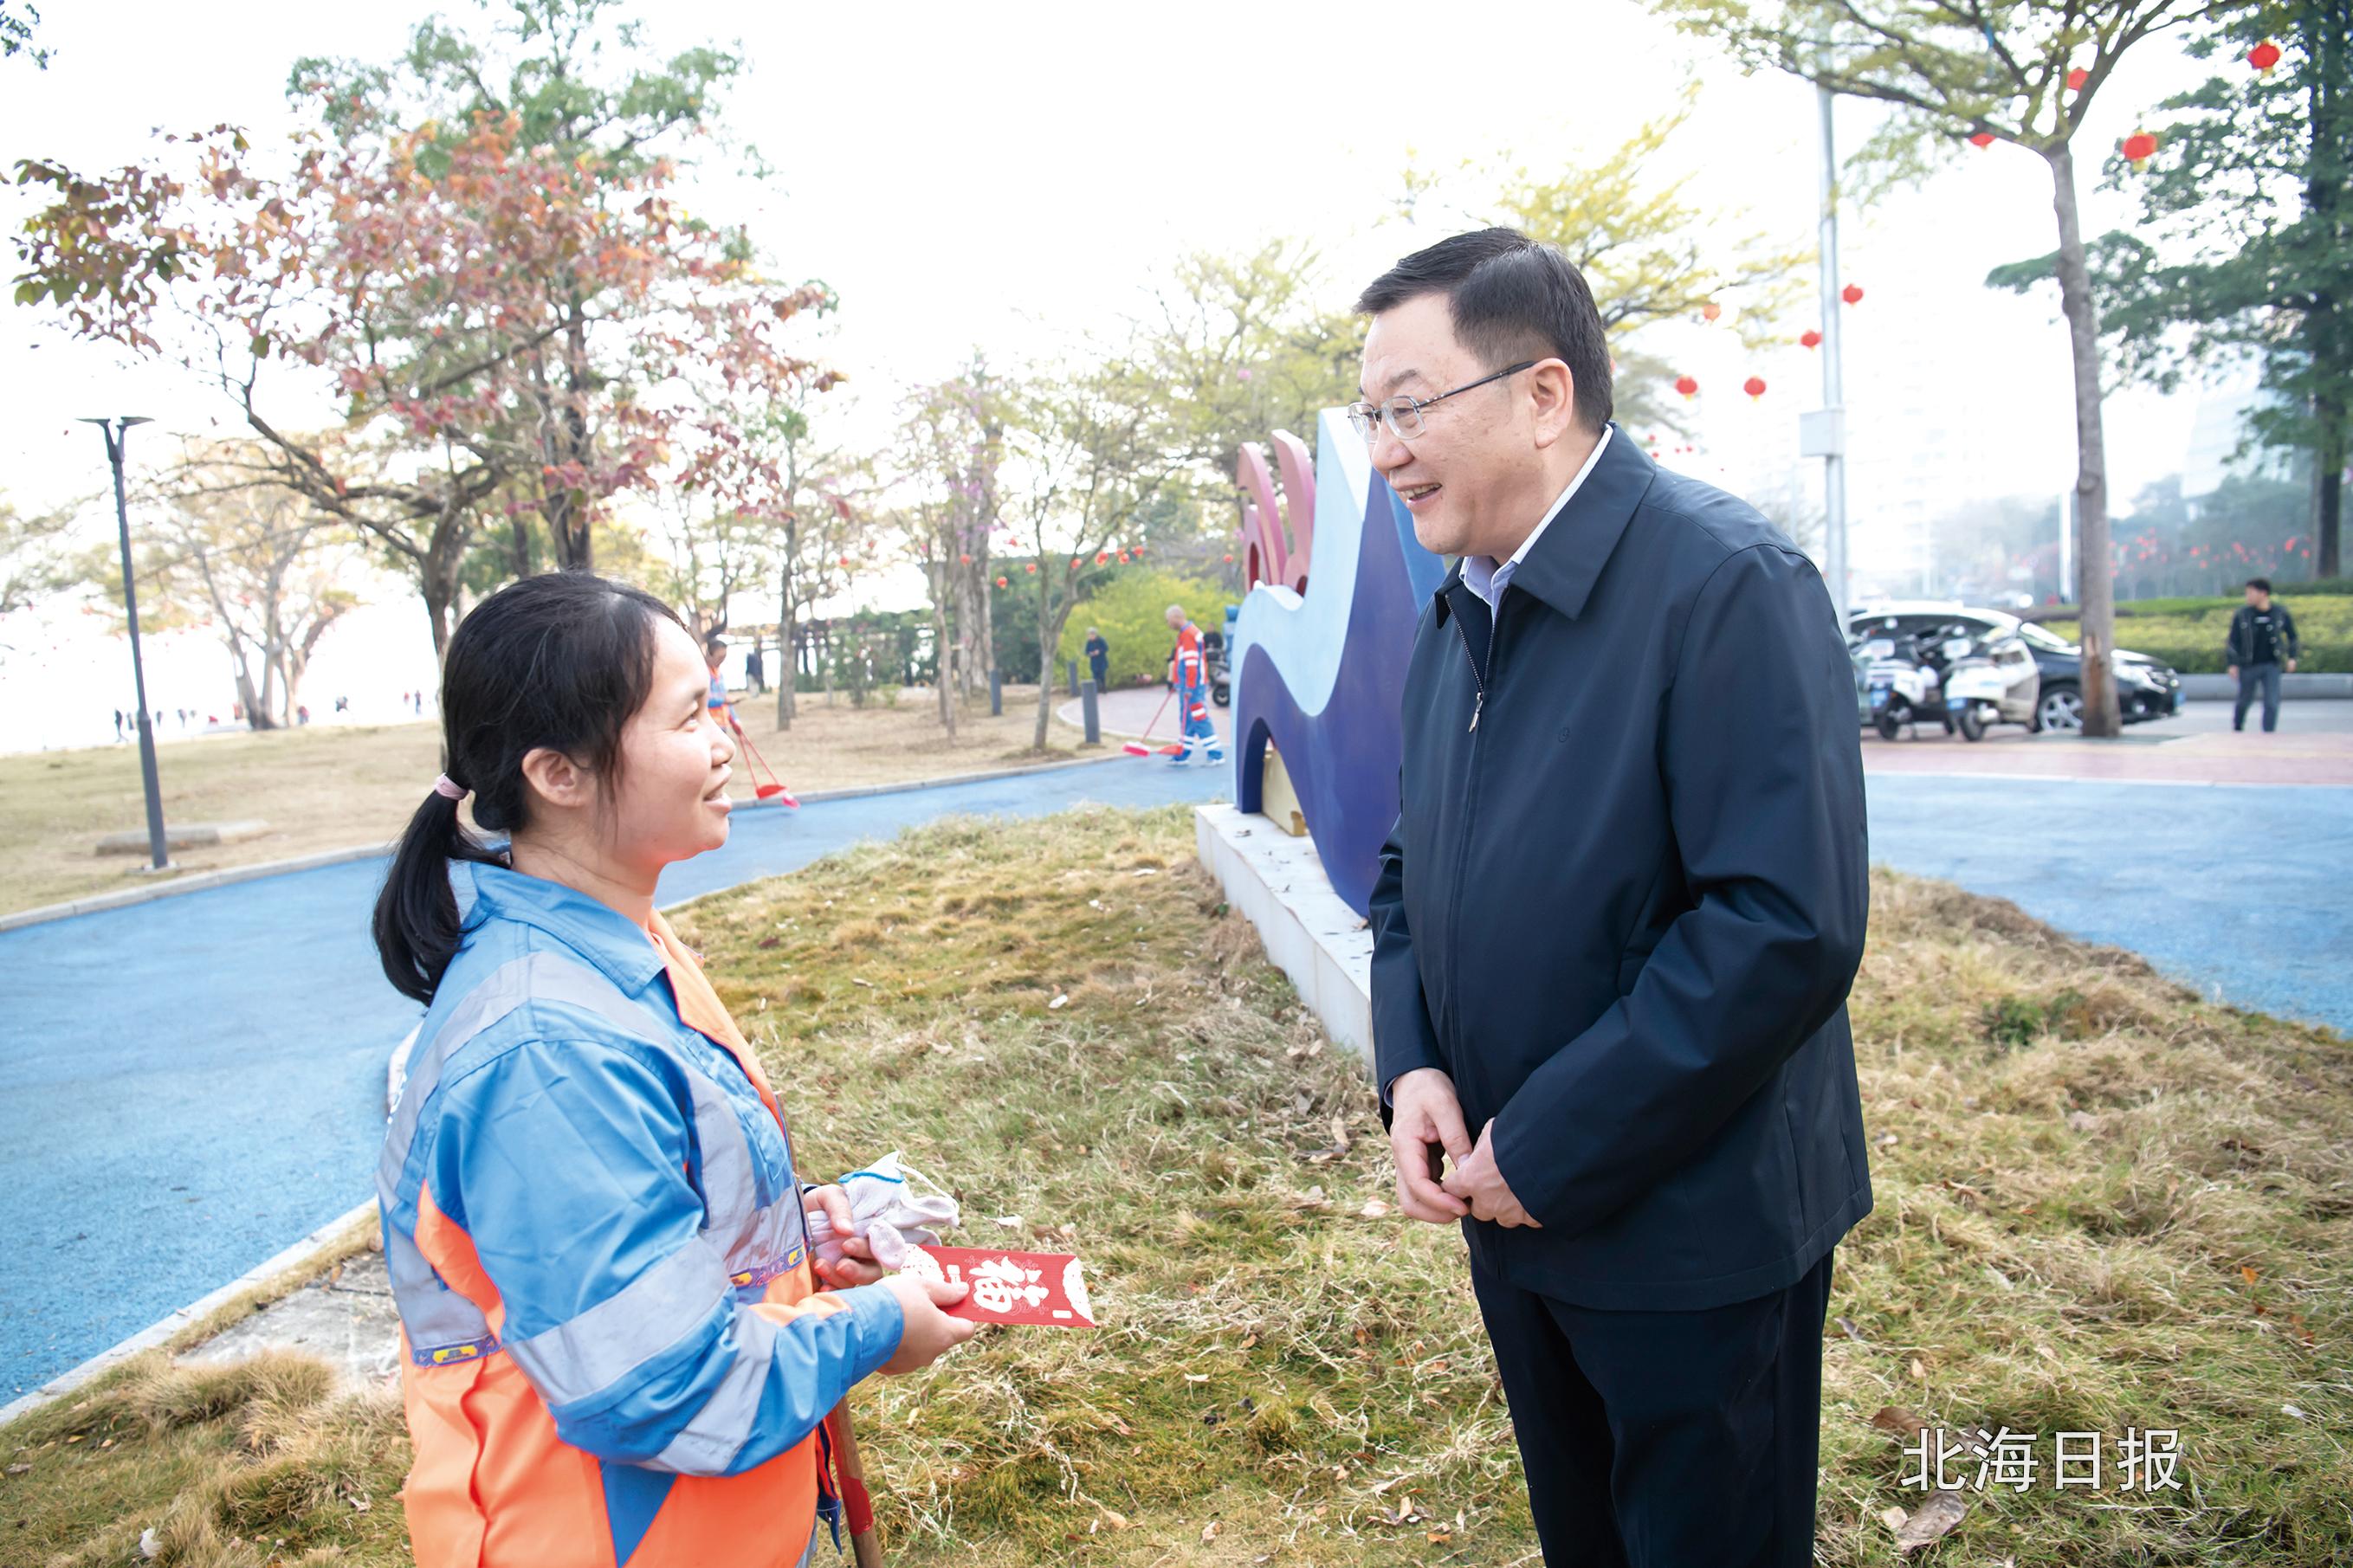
(1189,679)
(1099,659)
(2262,642)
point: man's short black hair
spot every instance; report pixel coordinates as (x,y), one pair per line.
(1512,298)
(2261,584)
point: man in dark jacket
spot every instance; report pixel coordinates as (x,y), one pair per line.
(1616,925)
(1099,659)
(2262,641)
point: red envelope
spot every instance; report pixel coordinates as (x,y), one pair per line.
(1047,1288)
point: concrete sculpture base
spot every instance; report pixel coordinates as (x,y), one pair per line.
(1311,934)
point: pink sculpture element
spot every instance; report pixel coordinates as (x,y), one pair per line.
(1267,556)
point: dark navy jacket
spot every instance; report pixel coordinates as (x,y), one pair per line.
(1623,912)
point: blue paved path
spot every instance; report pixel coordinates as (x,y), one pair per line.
(2243,892)
(209,1068)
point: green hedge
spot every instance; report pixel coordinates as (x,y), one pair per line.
(2189,633)
(1131,607)
(2133,609)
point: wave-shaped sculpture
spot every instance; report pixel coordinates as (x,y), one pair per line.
(1322,674)
(1266,555)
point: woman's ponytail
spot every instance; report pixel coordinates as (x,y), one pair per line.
(417,925)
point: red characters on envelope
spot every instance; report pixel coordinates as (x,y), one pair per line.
(1048,1289)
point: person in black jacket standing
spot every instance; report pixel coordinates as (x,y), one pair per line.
(2262,641)
(1616,924)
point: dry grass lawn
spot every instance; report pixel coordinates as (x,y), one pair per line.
(332,786)
(2102,1204)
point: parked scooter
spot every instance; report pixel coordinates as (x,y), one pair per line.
(1905,683)
(1995,682)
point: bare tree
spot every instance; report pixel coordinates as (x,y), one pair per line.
(1090,452)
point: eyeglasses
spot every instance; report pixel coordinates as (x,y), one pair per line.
(1402,414)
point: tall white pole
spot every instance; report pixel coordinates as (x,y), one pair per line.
(1833,388)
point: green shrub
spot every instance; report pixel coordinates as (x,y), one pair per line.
(2189,633)
(1130,608)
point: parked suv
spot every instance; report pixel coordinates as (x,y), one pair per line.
(2146,689)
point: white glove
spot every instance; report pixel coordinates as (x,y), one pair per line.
(886,1209)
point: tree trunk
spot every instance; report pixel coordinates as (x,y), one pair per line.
(2324,331)
(788,661)
(942,580)
(566,441)
(256,716)
(2101,716)
(2328,497)
(984,657)
(1050,636)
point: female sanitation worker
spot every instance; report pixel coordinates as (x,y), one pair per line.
(615,1349)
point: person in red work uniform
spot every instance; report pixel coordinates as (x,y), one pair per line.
(1188,676)
(616,1350)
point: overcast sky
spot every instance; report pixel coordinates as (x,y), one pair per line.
(1008,176)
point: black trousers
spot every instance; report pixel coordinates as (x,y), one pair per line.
(1666,1439)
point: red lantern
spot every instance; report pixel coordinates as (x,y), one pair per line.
(964,560)
(1074,563)
(1983,139)
(1102,557)
(1851,293)
(1710,311)
(1687,386)
(1811,337)
(1001,582)
(1754,387)
(845,561)
(1136,550)
(2076,78)
(2139,148)
(1031,567)
(2263,56)
(1229,560)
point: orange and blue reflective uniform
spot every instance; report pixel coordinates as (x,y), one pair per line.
(721,708)
(613,1351)
(1189,673)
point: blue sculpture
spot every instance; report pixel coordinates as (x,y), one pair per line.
(1321,674)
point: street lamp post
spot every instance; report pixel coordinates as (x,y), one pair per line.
(1833,448)
(117,431)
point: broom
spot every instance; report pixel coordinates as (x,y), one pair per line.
(1136,748)
(857,1504)
(775,788)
